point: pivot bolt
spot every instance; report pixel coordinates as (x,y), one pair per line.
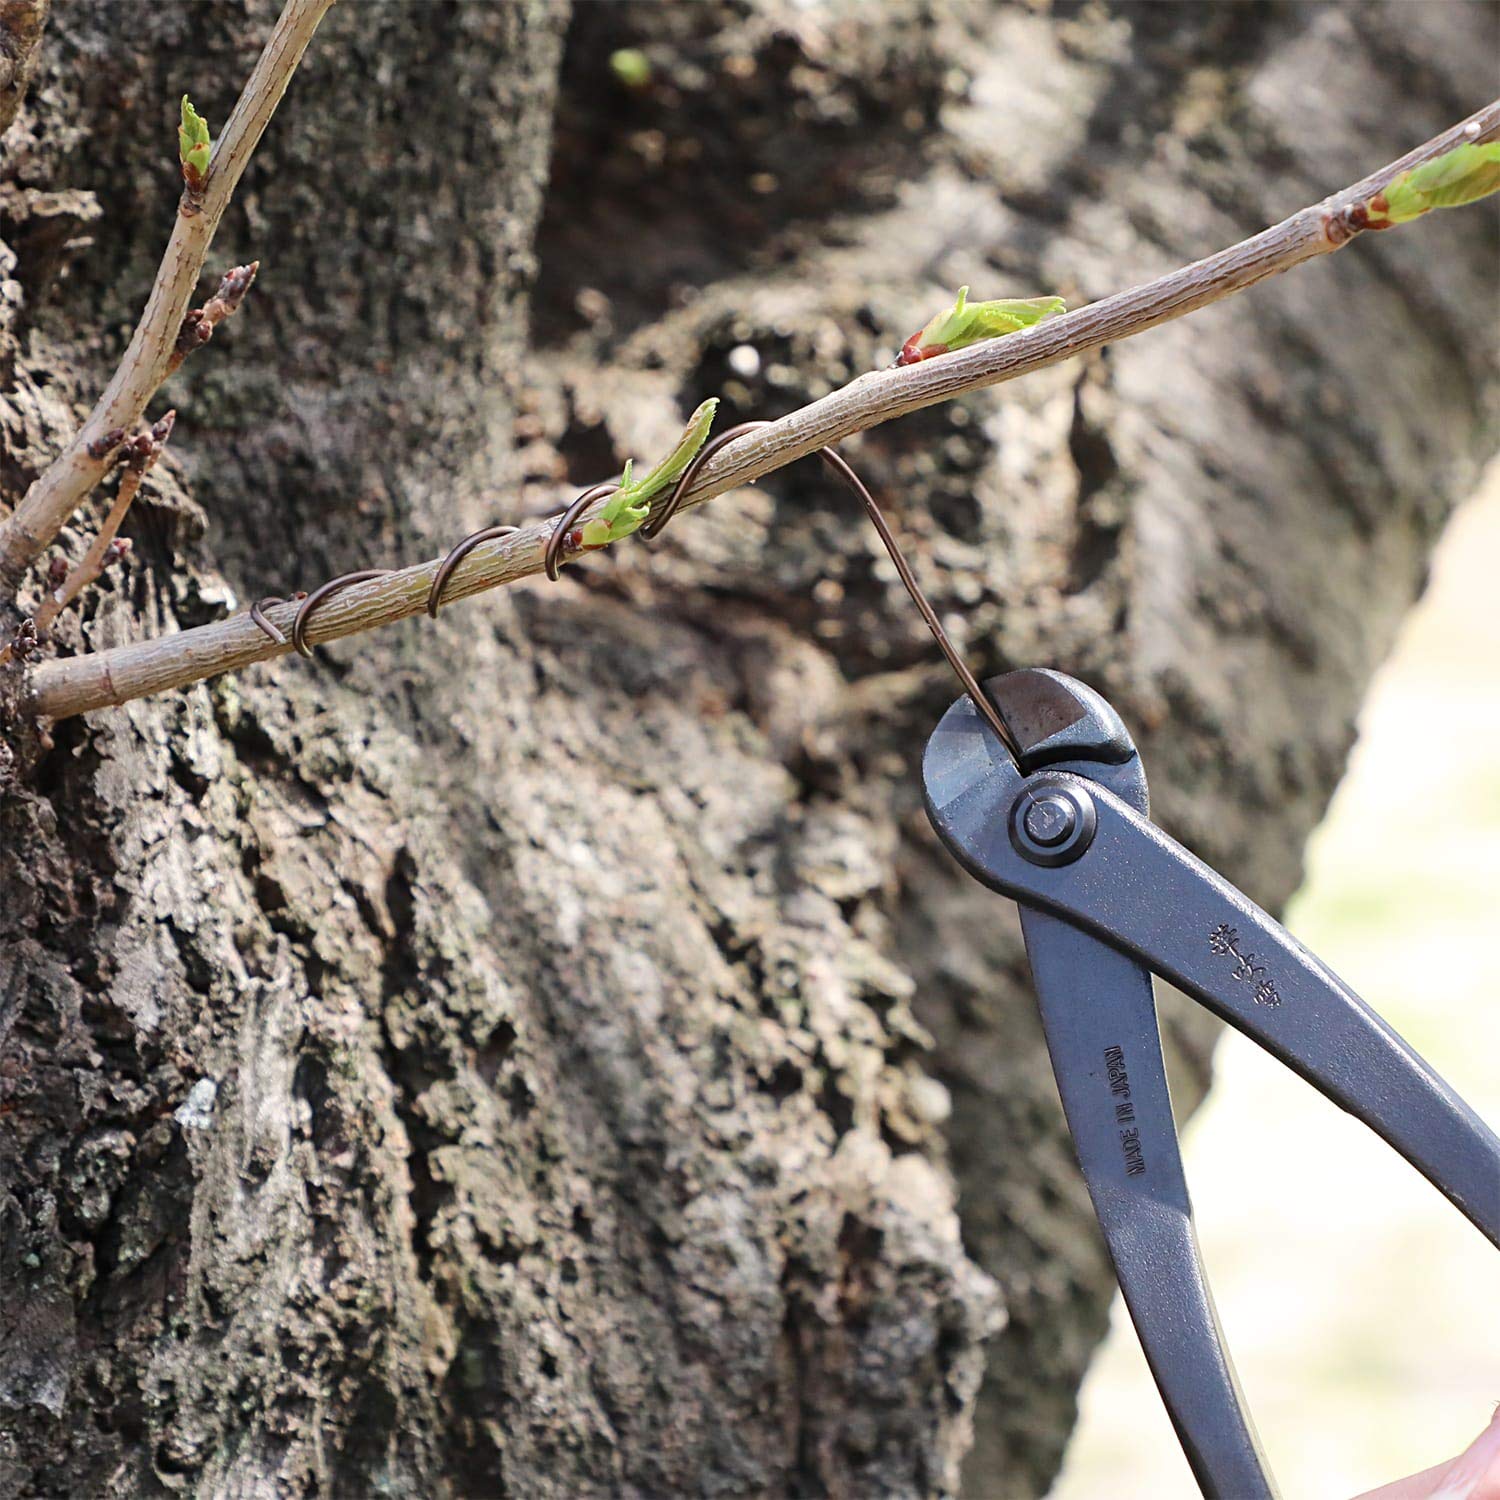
(1052,822)
(1050,819)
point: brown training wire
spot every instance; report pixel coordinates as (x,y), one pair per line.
(564,536)
(263,622)
(840,466)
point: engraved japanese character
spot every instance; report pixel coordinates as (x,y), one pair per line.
(1246,967)
(1222,939)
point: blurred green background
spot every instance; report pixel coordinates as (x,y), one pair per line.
(1363,1312)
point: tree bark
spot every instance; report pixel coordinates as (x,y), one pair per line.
(544,1053)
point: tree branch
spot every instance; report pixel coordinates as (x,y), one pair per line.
(59,491)
(58,689)
(21,25)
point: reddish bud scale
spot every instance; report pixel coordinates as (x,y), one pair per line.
(103,446)
(912,351)
(195,330)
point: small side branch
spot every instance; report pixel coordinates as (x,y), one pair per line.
(153,351)
(198,326)
(58,689)
(141,454)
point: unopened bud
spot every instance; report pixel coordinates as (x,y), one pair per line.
(106,444)
(193,147)
(235,283)
(196,331)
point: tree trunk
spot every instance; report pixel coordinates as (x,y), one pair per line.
(545,1053)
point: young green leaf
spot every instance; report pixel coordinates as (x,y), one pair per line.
(627,509)
(1460,176)
(968,322)
(193,144)
(622,500)
(670,469)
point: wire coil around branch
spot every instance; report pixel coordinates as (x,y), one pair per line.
(456,556)
(263,604)
(319,594)
(564,535)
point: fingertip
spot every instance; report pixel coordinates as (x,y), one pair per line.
(1475,1474)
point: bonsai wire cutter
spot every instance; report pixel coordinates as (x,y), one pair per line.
(1054,815)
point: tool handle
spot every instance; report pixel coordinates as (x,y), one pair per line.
(1099,1016)
(1143,893)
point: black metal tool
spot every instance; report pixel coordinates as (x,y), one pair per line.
(1107,899)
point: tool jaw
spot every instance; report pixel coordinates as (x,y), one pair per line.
(1056,718)
(981,802)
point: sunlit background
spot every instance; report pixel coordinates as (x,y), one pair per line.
(1362,1310)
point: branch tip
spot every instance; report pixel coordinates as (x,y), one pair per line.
(142,451)
(194,147)
(152,354)
(199,322)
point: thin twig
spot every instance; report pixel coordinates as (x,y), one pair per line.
(136,460)
(141,457)
(58,689)
(100,554)
(64,486)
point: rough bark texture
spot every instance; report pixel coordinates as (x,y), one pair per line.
(515,1056)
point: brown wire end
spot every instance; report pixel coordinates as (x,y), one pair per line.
(987,710)
(259,619)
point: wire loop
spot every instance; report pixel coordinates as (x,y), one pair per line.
(319,594)
(552,559)
(460,551)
